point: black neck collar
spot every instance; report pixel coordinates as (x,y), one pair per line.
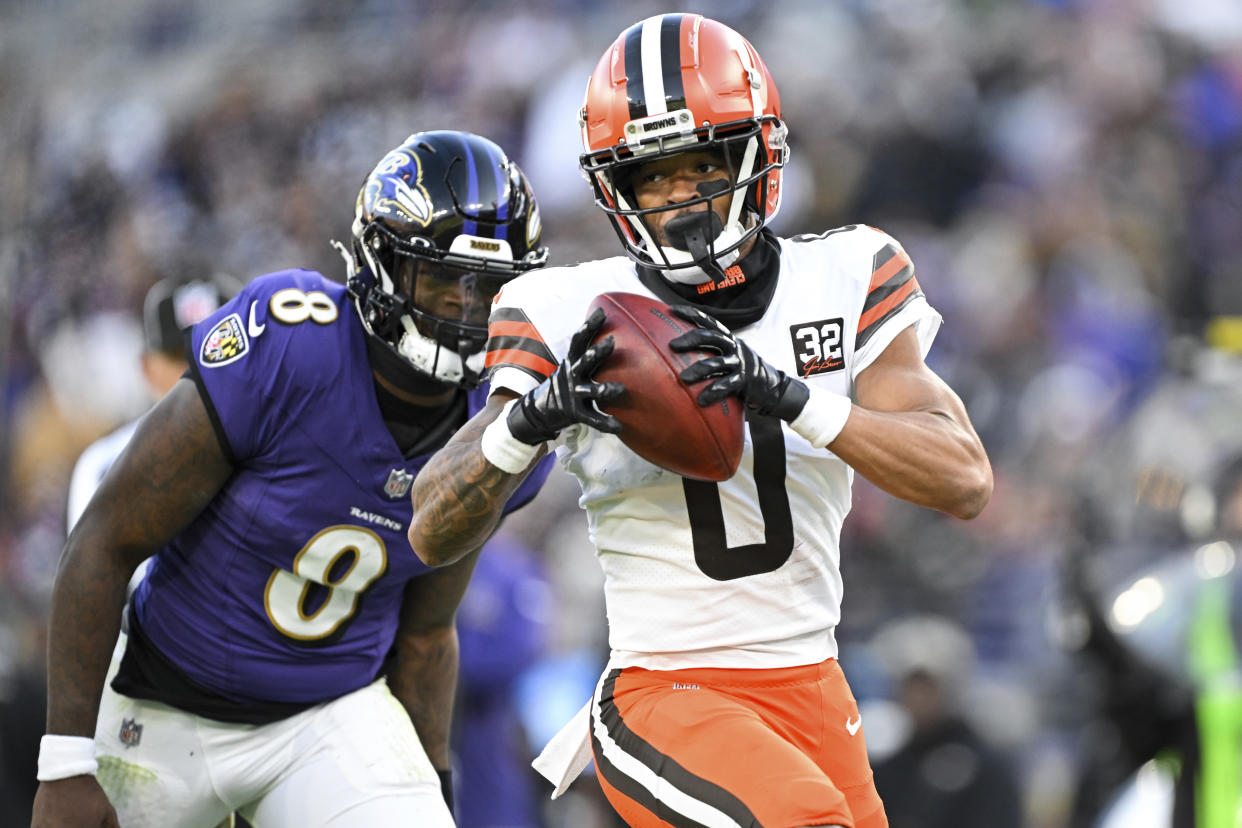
(417,429)
(736,302)
(420,429)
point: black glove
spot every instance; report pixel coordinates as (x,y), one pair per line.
(570,395)
(741,372)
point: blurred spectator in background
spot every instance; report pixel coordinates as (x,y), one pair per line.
(1150,604)
(945,775)
(171,307)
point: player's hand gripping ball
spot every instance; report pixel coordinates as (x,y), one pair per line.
(661,419)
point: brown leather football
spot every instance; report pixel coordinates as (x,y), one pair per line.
(660,415)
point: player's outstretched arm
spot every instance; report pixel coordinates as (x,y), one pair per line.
(459,496)
(170,470)
(423,675)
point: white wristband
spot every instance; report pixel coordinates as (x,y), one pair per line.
(63,756)
(502,449)
(823,417)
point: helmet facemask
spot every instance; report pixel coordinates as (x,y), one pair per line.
(698,245)
(431,308)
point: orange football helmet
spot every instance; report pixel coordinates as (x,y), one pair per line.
(675,83)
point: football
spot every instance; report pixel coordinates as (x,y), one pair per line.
(661,419)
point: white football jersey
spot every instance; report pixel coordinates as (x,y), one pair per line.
(743,573)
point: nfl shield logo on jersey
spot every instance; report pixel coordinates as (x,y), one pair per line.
(398,484)
(131,733)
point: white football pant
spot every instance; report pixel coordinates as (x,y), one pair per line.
(354,761)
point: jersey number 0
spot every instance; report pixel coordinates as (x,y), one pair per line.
(711,550)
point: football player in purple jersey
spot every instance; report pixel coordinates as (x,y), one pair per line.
(288,657)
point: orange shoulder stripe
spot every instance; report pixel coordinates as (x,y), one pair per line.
(894,299)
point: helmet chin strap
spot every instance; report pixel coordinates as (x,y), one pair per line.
(699,266)
(434,359)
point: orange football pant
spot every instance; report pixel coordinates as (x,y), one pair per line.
(778,748)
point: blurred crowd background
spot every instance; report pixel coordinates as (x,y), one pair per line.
(1065,174)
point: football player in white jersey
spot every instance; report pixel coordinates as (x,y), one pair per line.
(723,703)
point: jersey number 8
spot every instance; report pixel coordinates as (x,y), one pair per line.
(344,561)
(293,307)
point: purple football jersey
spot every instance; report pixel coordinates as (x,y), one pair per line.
(287,587)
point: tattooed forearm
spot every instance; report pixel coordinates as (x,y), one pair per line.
(465,499)
(459,497)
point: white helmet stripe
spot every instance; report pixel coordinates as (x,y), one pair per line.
(653,67)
